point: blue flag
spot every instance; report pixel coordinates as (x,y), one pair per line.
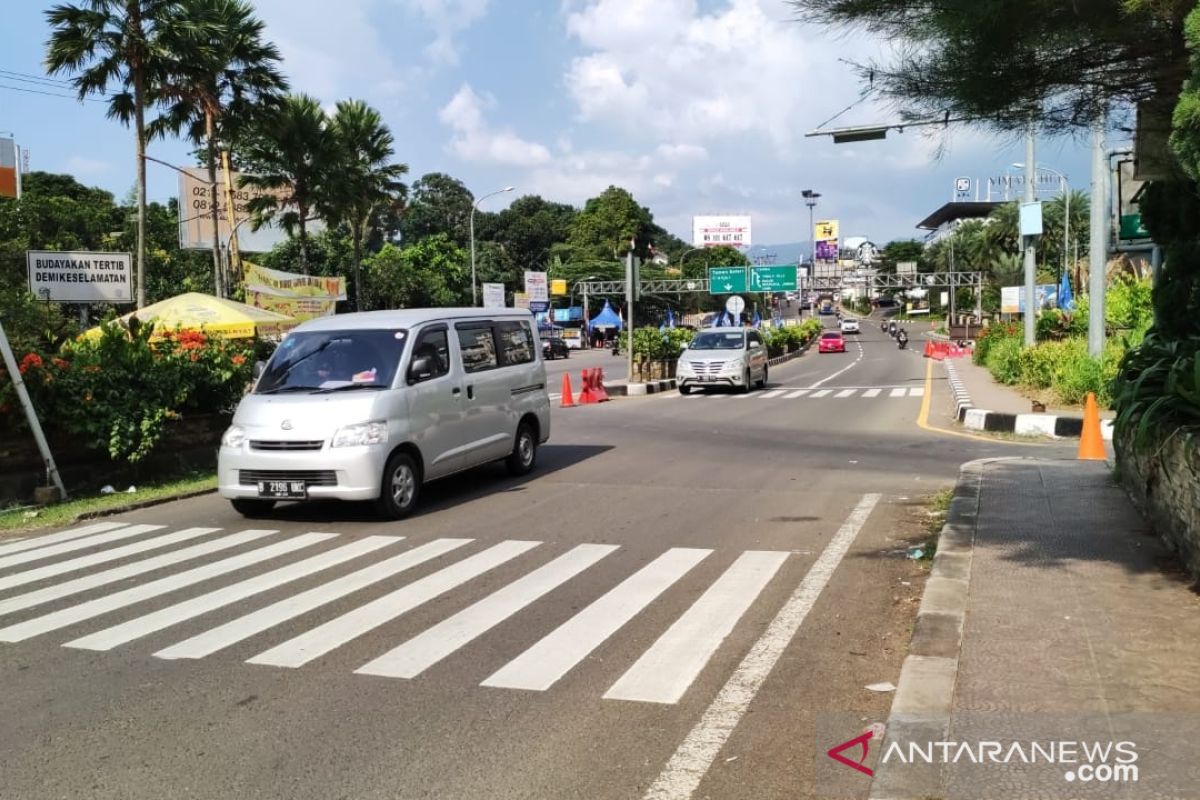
(757,319)
(670,318)
(1066,301)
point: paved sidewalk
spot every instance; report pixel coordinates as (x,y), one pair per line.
(1076,624)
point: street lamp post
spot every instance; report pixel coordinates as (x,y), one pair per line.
(1066,190)
(685,255)
(810,200)
(587,321)
(474,208)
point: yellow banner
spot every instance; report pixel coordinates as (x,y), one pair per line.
(558,286)
(825,229)
(292,284)
(298,308)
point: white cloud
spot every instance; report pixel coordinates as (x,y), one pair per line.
(681,153)
(447,18)
(81,165)
(477,142)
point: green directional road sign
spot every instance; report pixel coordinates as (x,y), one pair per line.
(726,280)
(781,278)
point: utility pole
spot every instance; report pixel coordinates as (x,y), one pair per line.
(1098,254)
(1031,308)
(630,296)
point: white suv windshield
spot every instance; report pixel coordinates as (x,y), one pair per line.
(734,340)
(333,360)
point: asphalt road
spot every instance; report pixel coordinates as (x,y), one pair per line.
(686,599)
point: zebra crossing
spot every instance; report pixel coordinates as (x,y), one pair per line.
(80,561)
(832,392)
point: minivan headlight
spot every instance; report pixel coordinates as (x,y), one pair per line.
(735,365)
(375,432)
(234,436)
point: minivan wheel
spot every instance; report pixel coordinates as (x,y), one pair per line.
(745,387)
(400,488)
(763,383)
(524,453)
(252,508)
(685,389)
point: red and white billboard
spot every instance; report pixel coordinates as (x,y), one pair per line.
(728,231)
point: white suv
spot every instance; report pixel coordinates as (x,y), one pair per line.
(849,325)
(730,357)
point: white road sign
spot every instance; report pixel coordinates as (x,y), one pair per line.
(80,276)
(493,295)
(537,287)
(735,305)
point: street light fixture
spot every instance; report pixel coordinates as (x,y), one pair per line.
(810,200)
(474,208)
(1066,190)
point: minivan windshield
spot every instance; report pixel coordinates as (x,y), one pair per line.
(711,340)
(326,361)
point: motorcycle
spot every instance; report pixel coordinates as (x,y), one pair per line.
(902,340)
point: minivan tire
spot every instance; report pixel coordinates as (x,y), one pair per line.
(523,457)
(399,488)
(252,509)
(685,390)
(762,384)
(745,387)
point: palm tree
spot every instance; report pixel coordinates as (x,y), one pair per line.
(217,85)
(291,157)
(118,43)
(365,180)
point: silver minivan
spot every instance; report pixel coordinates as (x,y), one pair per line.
(370,406)
(730,357)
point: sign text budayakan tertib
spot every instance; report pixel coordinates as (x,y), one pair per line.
(80,276)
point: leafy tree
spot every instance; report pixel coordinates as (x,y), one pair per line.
(900,250)
(214,85)
(439,204)
(432,272)
(696,264)
(365,178)
(107,43)
(607,225)
(290,156)
(527,229)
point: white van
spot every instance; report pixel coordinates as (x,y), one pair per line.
(370,406)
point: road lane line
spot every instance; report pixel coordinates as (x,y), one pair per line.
(320,640)
(845,393)
(770,394)
(822,393)
(923,418)
(426,649)
(62,536)
(918,391)
(539,667)
(59,591)
(897,393)
(236,630)
(687,767)
(794,395)
(112,602)
(96,540)
(665,671)
(145,625)
(157,543)
(872,392)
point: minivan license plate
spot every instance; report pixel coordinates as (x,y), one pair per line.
(283,490)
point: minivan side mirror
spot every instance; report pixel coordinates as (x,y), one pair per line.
(257,370)
(420,370)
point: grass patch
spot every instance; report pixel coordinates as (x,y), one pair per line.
(939,507)
(27,518)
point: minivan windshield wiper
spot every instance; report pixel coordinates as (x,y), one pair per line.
(350,387)
(291,388)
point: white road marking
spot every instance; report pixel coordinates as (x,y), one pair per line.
(849,366)
(845,393)
(300,650)
(794,395)
(255,622)
(112,602)
(770,394)
(145,625)
(97,540)
(897,393)
(539,667)
(62,536)
(103,557)
(918,391)
(423,651)
(683,773)
(665,671)
(37,598)
(872,392)
(822,393)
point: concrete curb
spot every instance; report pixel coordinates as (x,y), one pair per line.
(1055,426)
(925,690)
(783,359)
(639,389)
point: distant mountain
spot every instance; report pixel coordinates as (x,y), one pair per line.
(790,253)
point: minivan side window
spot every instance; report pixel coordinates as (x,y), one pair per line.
(516,343)
(434,345)
(478,346)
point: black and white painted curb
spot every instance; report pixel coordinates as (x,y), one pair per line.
(925,690)
(637,389)
(980,419)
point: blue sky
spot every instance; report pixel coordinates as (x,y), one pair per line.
(697,107)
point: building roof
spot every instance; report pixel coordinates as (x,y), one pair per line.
(957,210)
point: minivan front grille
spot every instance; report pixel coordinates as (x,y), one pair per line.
(261,444)
(311,477)
(707,367)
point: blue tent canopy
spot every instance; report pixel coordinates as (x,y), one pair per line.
(607,318)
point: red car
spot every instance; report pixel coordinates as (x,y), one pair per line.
(831,342)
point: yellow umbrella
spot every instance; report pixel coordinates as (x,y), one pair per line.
(228,319)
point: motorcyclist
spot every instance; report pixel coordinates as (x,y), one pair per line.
(902,339)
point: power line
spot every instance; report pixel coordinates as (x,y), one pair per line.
(49,94)
(26,77)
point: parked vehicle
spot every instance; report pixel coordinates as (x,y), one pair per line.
(555,347)
(371,406)
(831,342)
(730,357)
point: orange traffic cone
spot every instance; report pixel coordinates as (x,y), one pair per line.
(586,395)
(567,401)
(1091,443)
(601,392)
(928,348)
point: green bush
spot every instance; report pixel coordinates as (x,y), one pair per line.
(1157,387)
(992,335)
(1039,365)
(1003,360)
